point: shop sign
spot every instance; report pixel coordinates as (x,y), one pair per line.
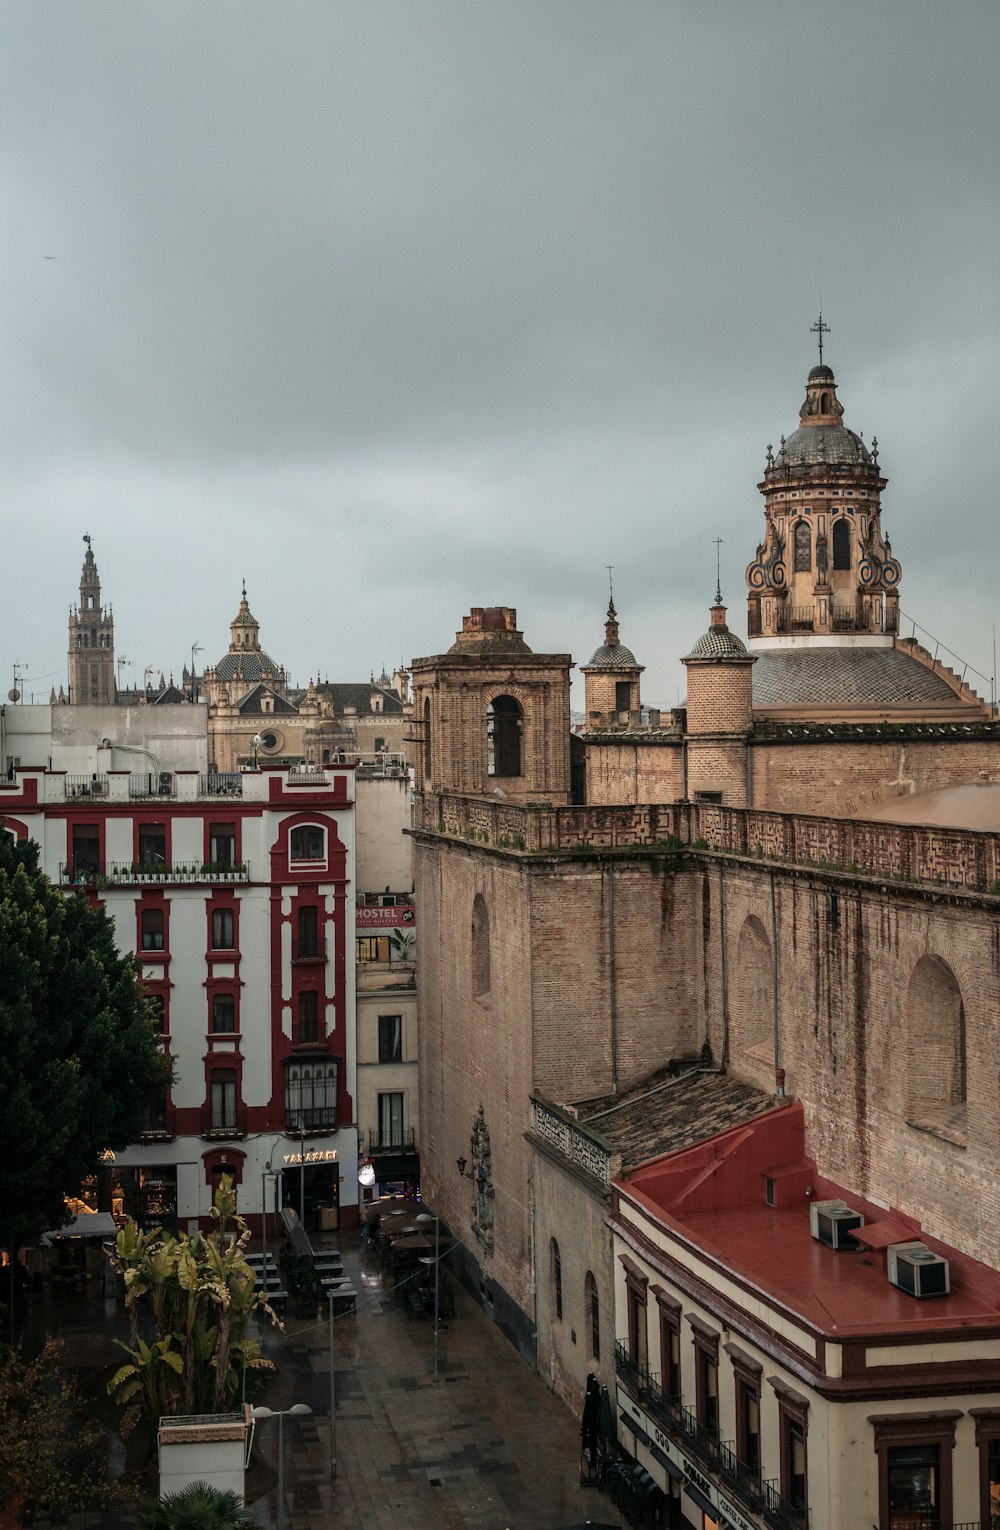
(315,1155)
(402,916)
(692,1473)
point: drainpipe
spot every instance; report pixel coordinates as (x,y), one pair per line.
(779,1072)
(724,955)
(612,976)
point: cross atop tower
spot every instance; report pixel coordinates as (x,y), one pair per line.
(718,570)
(820,329)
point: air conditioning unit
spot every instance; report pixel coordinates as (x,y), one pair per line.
(913,1268)
(831,1221)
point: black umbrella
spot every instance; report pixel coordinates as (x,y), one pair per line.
(606,1430)
(588,1423)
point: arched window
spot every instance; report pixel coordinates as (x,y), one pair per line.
(824,403)
(480,946)
(503,737)
(841,544)
(935,1033)
(427,738)
(592,1307)
(307,843)
(753,992)
(803,547)
(556,1278)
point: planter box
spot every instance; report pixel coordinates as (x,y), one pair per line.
(203,1447)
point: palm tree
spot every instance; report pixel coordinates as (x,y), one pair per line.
(197,1507)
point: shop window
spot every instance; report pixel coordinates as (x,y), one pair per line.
(311,1095)
(307,843)
(223,1091)
(308,1016)
(151,929)
(390,1119)
(152,844)
(503,737)
(223,930)
(481,978)
(592,1306)
(556,1260)
(802,543)
(222,844)
(390,1038)
(223,1012)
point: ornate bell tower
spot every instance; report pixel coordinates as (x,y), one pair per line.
(824,566)
(91,658)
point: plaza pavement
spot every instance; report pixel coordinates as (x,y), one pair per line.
(486,1447)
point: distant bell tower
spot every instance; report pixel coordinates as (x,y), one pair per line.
(91,663)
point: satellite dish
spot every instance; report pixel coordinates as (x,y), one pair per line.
(14,695)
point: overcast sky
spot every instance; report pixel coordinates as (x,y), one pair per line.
(400,308)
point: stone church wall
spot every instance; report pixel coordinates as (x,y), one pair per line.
(841,777)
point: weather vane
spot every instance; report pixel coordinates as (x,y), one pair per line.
(611,586)
(718,570)
(86,537)
(820,329)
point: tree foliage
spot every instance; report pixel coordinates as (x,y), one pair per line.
(196,1292)
(51,1450)
(197,1507)
(81,1054)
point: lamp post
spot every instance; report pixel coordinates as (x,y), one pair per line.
(425,1216)
(298,1410)
(267,1174)
(302,1169)
(333,1396)
(255,744)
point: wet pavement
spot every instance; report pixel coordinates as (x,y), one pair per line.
(485,1447)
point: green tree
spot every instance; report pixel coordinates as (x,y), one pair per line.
(81,1055)
(196,1291)
(51,1450)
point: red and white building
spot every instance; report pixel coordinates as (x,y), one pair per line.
(237,894)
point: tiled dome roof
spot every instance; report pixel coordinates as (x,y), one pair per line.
(831,445)
(718,643)
(612,656)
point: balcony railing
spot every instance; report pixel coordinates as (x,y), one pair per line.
(149,783)
(704,1442)
(745,1481)
(132,874)
(225,1123)
(311,950)
(86,786)
(399,1140)
(222,783)
(782,1515)
(921,1522)
(638,1378)
(319,1119)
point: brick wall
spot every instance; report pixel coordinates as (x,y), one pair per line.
(841,777)
(719,697)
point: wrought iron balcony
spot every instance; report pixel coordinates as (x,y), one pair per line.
(702,1441)
(222,783)
(322,1118)
(782,1515)
(224,1123)
(134,874)
(745,1481)
(639,1379)
(312,949)
(395,1140)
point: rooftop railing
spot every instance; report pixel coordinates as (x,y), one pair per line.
(132,874)
(222,783)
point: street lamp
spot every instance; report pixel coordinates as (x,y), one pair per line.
(298,1409)
(425,1216)
(333,1395)
(255,744)
(268,1173)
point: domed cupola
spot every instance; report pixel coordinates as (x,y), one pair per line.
(611,679)
(719,713)
(824,566)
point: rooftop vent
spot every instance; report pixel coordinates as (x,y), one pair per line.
(831,1221)
(913,1268)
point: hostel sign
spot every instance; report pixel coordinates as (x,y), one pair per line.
(402,916)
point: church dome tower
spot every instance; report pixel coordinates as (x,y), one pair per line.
(611,677)
(91,656)
(719,713)
(824,566)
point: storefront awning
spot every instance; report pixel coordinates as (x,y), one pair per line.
(96,1224)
